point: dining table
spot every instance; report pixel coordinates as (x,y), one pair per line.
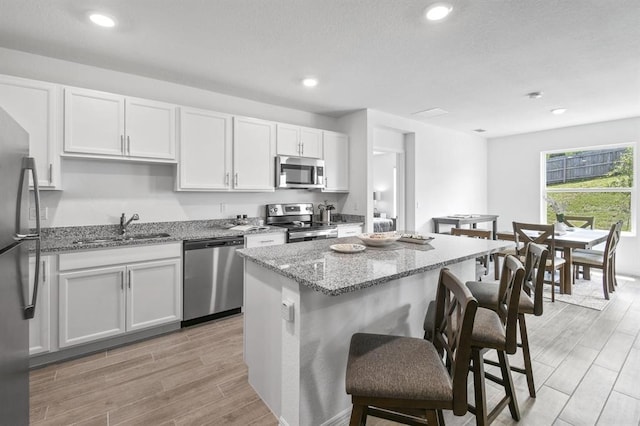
(572,238)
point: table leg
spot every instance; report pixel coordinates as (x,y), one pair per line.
(568,270)
(436,226)
(495,229)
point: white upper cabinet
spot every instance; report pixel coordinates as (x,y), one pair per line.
(336,162)
(299,141)
(35,105)
(253,154)
(205,151)
(106,125)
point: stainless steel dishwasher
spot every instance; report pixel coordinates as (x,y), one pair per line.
(213,279)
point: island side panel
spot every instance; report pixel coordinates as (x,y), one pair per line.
(263,332)
(325,326)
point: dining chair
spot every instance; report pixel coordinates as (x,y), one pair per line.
(404,379)
(543,234)
(489,294)
(574,221)
(482,263)
(604,260)
(492,329)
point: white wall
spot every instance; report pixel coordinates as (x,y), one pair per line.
(98,191)
(514,173)
(446,170)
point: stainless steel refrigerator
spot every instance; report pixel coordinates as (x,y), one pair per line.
(17,295)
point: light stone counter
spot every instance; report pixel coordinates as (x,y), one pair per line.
(65,239)
(303,302)
(316,266)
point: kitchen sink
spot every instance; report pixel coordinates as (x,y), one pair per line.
(97,240)
(147,236)
(100,240)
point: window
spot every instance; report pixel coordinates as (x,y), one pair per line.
(598,183)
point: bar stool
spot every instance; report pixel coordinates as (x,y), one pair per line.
(531,302)
(403,378)
(492,330)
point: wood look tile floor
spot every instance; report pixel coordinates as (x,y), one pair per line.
(586,364)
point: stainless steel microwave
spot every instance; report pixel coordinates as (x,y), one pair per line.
(299,172)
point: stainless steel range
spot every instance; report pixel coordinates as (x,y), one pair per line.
(298,219)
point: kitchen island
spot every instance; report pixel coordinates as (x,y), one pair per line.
(303,301)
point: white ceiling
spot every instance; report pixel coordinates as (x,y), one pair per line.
(478,64)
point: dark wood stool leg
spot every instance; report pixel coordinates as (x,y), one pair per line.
(432,418)
(526,355)
(478,387)
(358,415)
(508,385)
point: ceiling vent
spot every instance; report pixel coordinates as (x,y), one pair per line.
(430,113)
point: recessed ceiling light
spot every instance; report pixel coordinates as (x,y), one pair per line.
(102,20)
(438,11)
(310,82)
(534,95)
(558,111)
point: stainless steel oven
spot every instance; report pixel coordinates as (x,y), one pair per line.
(298,219)
(299,172)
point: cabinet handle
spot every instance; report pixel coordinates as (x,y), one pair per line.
(236,179)
(129,277)
(50,173)
(266,241)
(122,145)
(128,145)
(301,149)
(44,273)
(226,179)
(122,280)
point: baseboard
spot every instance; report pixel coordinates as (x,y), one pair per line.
(340,419)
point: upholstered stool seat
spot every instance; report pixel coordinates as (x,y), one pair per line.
(488,331)
(384,366)
(487,295)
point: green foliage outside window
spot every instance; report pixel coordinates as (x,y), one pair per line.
(606,207)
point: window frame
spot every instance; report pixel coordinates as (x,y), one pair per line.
(544,192)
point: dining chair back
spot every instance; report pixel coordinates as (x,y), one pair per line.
(545,235)
(482,264)
(574,221)
(602,260)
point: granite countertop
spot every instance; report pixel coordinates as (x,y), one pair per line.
(316,266)
(64,239)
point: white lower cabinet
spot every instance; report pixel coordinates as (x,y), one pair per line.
(91,305)
(262,240)
(153,298)
(349,230)
(104,293)
(39,325)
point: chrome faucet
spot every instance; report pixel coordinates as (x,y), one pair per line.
(124,222)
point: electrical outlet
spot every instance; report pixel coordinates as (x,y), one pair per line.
(355,206)
(221,207)
(44,213)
